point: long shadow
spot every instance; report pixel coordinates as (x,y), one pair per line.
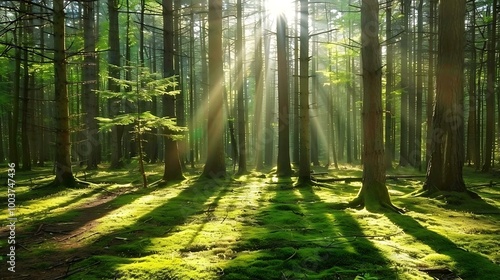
(470,265)
(298,237)
(40,241)
(117,247)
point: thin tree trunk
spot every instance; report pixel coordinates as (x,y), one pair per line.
(403,152)
(430,82)
(473,145)
(305,149)
(296,90)
(419,88)
(192,80)
(14,117)
(89,86)
(284,169)
(259,92)
(242,157)
(26,77)
(114,73)
(64,174)
(389,88)
(490,94)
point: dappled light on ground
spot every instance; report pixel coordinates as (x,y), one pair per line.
(252,227)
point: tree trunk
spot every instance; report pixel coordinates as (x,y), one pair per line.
(445,168)
(403,152)
(259,92)
(90,100)
(388,91)
(284,169)
(242,158)
(26,77)
(305,150)
(373,193)
(490,94)
(114,73)
(419,88)
(215,165)
(173,168)
(473,144)
(14,117)
(192,79)
(64,174)
(430,82)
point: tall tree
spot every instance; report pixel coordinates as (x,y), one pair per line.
(419,88)
(242,153)
(13,116)
(430,80)
(113,85)
(444,172)
(404,152)
(173,168)
(304,129)
(27,77)
(473,140)
(389,88)
(259,91)
(373,193)
(490,93)
(64,174)
(284,168)
(215,165)
(89,73)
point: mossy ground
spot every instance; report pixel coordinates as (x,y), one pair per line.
(250,227)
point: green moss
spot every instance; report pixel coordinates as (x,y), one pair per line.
(254,229)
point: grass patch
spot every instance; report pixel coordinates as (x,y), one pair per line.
(252,227)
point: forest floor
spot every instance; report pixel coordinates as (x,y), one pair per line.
(249,227)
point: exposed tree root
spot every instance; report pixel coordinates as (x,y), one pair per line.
(359,203)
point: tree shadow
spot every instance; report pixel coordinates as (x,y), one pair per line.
(470,265)
(44,241)
(297,236)
(109,250)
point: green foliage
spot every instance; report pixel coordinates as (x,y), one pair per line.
(143,88)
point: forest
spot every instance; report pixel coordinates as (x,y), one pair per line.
(266,139)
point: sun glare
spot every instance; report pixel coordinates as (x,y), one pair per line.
(281,7)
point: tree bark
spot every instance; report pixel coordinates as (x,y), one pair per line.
(90,100)
(284,169)
(114,72)
(430,82)
(305,150)
(373,193)
(64,174)
(490,94)
(215,166)
(403,152)
(242,155)
(259,92)
(173,168)
(444,172)
(388,90)
(473,143)
(26,77)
